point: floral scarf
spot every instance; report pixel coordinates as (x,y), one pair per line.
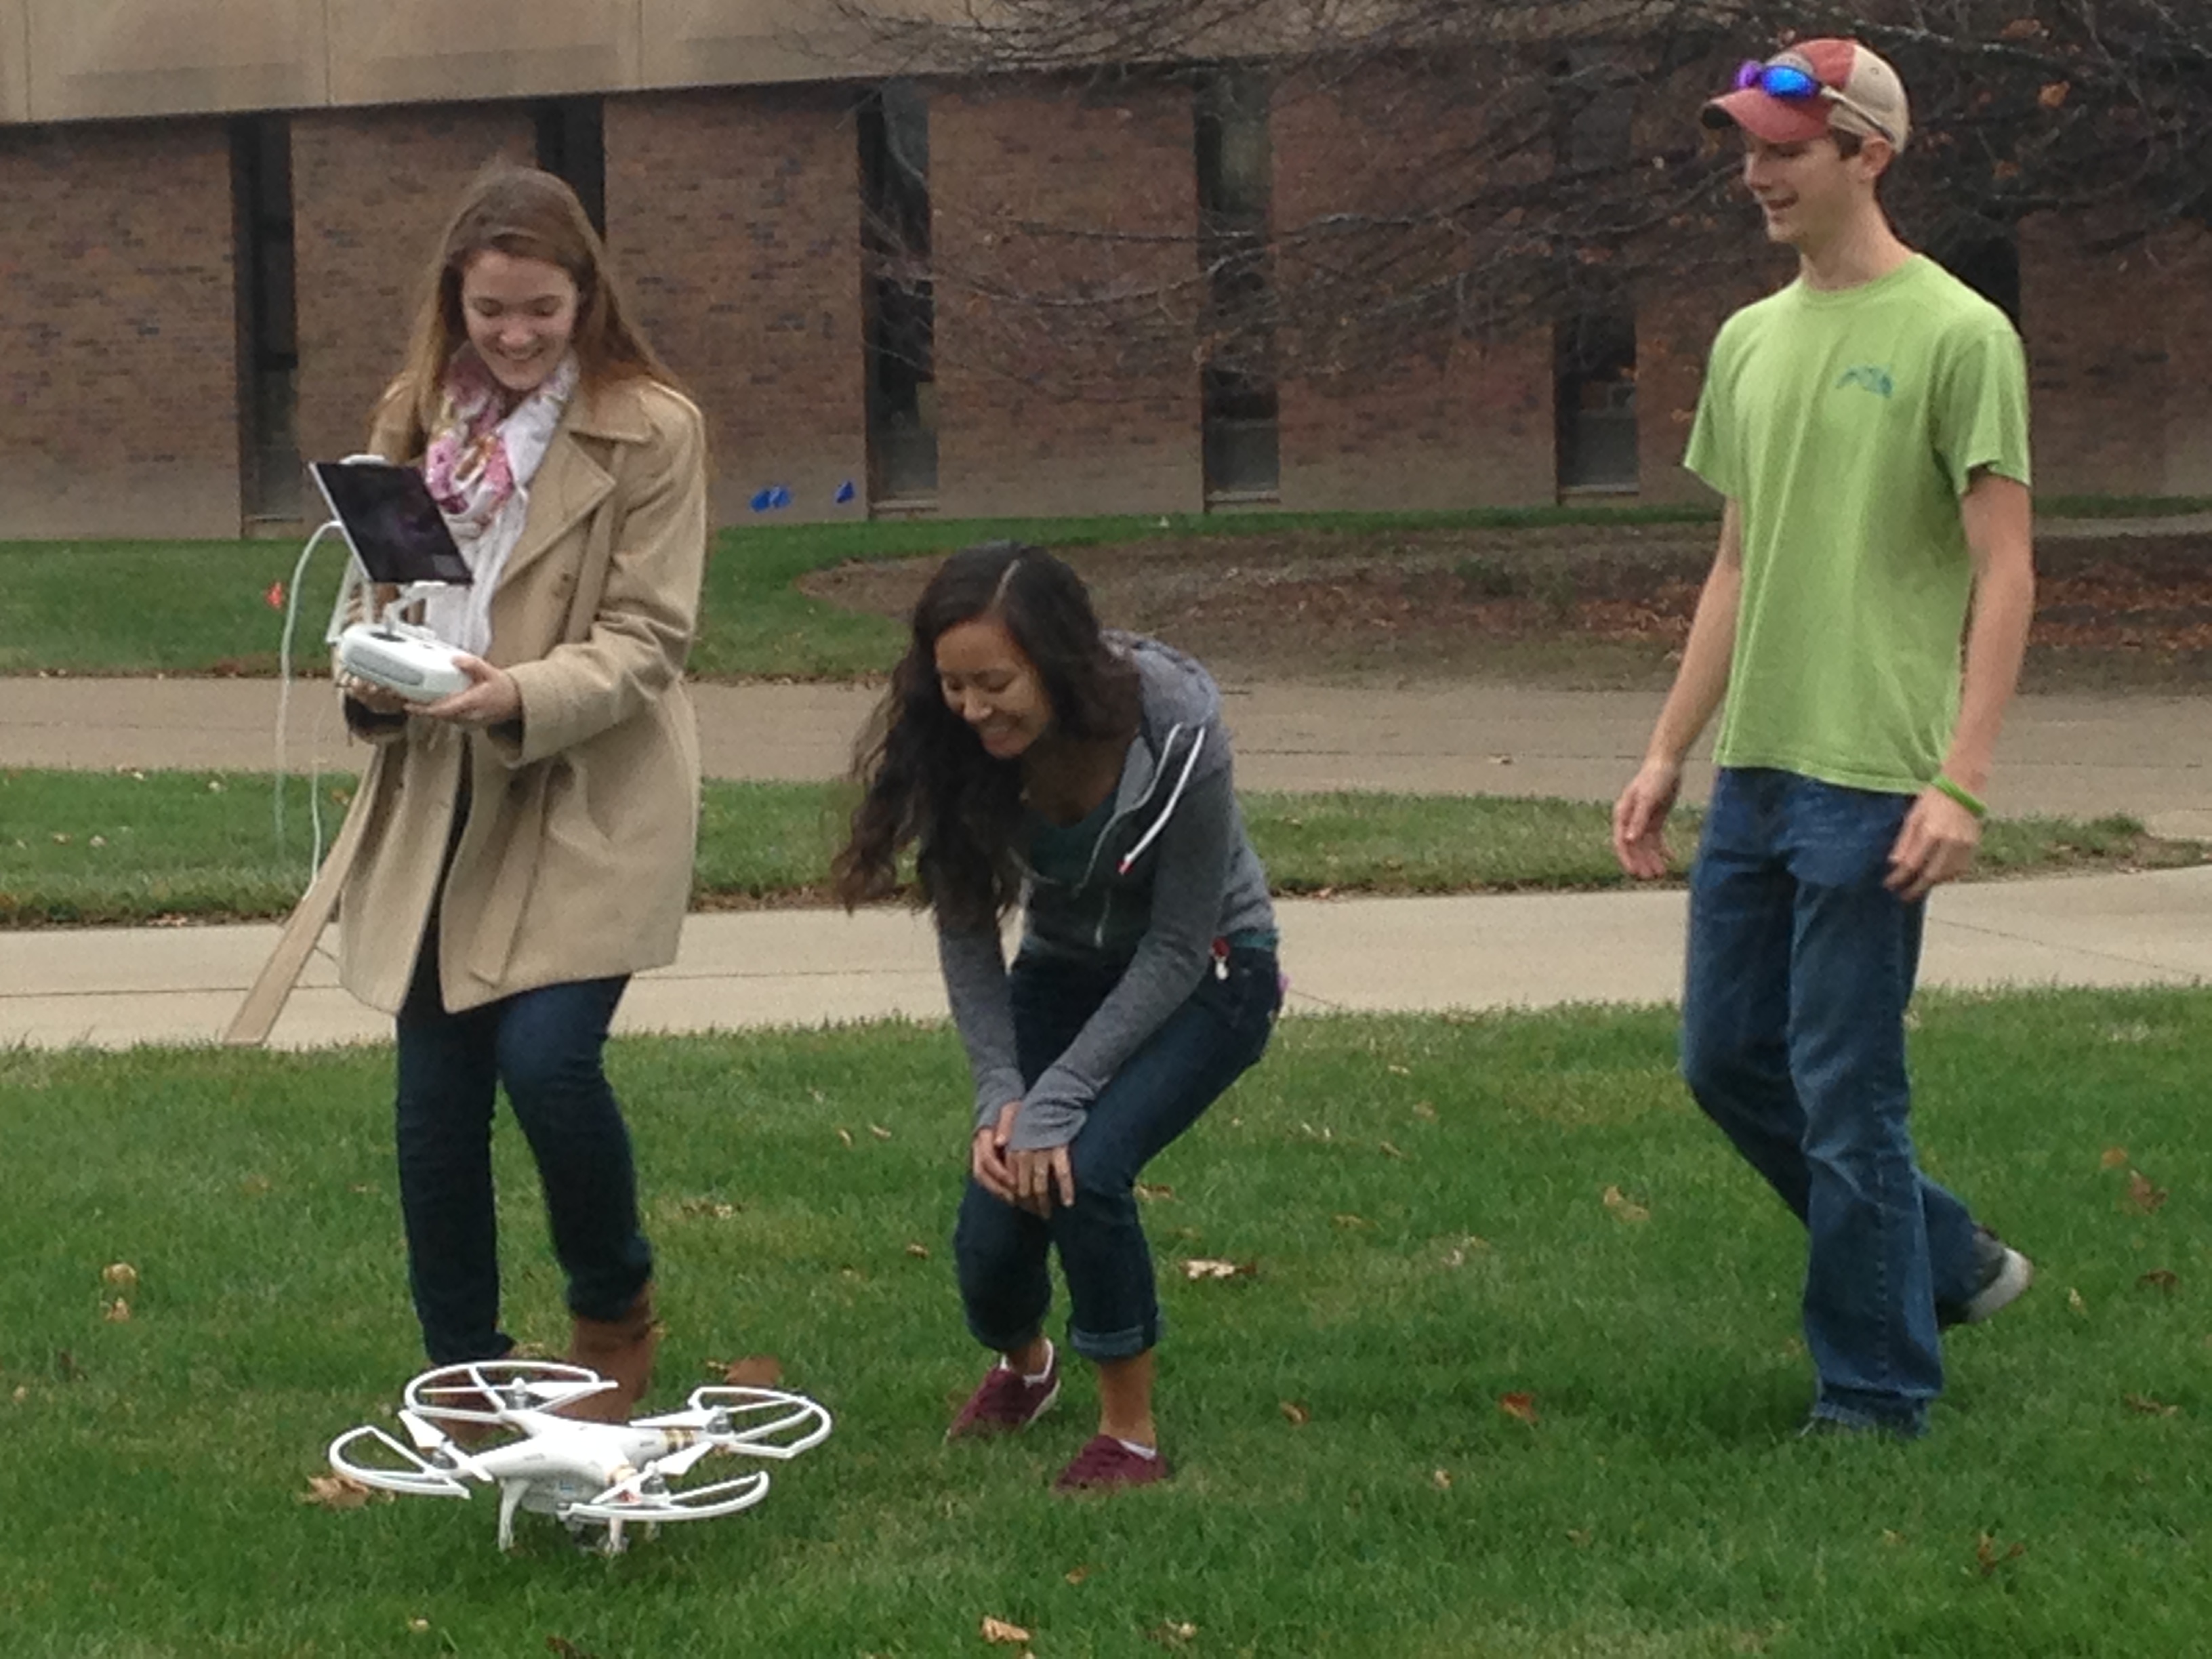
(478,466)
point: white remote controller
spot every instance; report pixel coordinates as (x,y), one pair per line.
(410,662)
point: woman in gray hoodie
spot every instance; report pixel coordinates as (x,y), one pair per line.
(1035,760)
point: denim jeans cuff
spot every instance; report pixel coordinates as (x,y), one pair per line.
(1115,1344)
(1008,1339)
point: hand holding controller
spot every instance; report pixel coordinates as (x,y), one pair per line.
(407,661)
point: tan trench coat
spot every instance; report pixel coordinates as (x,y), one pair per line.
(576,860)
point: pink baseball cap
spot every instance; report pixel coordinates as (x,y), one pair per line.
(1847,88)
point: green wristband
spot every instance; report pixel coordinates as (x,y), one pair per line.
(1964,796)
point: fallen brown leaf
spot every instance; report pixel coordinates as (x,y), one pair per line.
(1077,1575)
(1622,1205)
(1989,1557)
(66,1366)
(1295,1414)
(2144,1193)
(2113,1158)
(1440,1478)
(1200,1267)
(2160,1278)
(2150,1407)
(998,1630)
(1154,1193)
(1518,1405)
(754,1371)
(120,1274)
(335,1492)
(116,1312)
(919,1251)
(561,1648)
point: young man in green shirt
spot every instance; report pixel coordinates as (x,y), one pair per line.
(1868,429)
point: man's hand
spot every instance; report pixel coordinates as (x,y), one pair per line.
(1936,846)
(495,697)
(986,1154)
(1639,818)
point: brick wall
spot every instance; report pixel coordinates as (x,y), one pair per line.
(734,217)
(1425,412)
(1088,403)
(2119,359)
(371,190)
(119,403)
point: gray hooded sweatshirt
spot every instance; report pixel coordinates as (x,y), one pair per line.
(1171,873)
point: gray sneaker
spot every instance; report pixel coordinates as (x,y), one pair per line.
(2001,1273)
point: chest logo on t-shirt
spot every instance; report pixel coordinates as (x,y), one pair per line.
(1869,377)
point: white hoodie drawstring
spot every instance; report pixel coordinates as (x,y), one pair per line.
(1129,859)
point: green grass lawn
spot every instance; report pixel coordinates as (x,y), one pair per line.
(203,607)
(98,848)
(1424,1202)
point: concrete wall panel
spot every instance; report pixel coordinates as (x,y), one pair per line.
(89,58)
(735,42)
(14,60)
(399,50)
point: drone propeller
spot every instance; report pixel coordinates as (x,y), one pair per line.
(701,1502)
(429,1437)
(489,1390)
(679,1462)
(758,1422)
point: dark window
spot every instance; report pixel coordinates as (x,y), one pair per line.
(1236,376)
(1594,364)
(901,306)
(1990,266)
(271,479)
(1594,344)
(572,146)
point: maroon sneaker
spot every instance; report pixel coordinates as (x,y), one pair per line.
(1003,1401)
(1105,1463)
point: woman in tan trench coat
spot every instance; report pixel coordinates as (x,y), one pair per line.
(528,841)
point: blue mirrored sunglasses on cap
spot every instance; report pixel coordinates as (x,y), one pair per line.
(1786,81)
(1795,83)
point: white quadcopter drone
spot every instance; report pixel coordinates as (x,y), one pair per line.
(582,1474)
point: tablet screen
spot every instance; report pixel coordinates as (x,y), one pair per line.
(390,522)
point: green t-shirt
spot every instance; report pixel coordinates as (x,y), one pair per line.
(1847,424)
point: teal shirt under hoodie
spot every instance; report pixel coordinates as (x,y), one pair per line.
(1172,870)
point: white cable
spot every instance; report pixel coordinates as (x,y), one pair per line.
(284,707)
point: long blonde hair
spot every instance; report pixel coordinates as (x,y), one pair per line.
(526,214)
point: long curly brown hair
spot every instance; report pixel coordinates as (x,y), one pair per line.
(926,779)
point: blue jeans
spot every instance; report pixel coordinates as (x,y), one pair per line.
(1800,964)
(545,1046)
(1178,1072)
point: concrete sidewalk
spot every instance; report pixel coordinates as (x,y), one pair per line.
(2077,755)
(116,988)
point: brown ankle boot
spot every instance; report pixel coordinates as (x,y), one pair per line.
(620,1350)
